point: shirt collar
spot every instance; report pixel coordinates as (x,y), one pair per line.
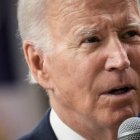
(61,130)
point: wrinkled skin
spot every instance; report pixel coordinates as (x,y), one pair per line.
(96,48)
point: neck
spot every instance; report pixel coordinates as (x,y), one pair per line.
(87,129)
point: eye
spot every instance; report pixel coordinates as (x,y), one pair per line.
(130,34)
(90,40)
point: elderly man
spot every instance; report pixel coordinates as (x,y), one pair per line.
(85,54)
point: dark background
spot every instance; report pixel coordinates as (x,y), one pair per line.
(12,66)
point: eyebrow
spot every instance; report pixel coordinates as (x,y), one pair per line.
(87,30)
(94,29)
(133,24)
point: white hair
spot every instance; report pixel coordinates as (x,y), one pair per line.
(33,26)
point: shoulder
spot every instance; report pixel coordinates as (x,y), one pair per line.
(43,131)
(27,137)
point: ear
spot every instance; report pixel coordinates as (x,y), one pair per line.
(36,63)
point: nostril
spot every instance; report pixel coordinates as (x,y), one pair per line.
(112,69)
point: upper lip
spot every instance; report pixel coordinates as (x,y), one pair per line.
(129,86)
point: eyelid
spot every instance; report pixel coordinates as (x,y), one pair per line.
(97,39)
(131,28)
(125,31)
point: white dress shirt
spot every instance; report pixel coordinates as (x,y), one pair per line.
(61,130)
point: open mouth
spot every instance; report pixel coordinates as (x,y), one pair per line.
(121,90)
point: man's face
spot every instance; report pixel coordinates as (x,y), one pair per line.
(95,63)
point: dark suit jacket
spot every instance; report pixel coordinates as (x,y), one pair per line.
(43,131)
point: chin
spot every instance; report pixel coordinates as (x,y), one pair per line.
(116,119)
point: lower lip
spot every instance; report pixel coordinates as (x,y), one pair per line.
(123,96)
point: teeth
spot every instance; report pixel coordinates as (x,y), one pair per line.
(119,91)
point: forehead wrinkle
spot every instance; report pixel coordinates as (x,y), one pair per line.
(107,6)
(125,18)
(61,9)
(90,24)
(69,12)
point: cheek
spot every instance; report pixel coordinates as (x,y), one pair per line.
(75,78)
(77,69)
(89,70)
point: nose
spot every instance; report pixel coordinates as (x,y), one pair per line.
(117,57)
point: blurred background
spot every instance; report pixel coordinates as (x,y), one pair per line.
(21,105)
